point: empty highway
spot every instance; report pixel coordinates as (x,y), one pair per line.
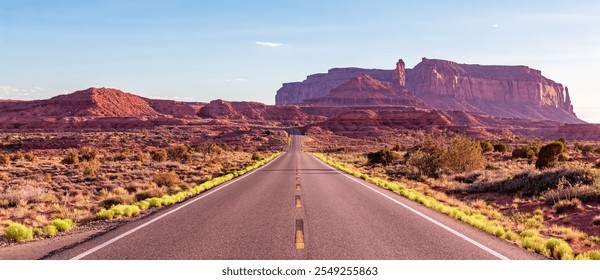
(296,207)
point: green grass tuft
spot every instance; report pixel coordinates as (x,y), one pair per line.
(105,214)
(559,249)
(63,225)
(18,232)
(50,230)
(590,255)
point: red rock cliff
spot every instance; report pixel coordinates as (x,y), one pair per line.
(496,90)
(319,85)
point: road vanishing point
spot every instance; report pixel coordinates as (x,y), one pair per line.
(296,207)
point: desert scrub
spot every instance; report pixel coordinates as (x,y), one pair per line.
(536,182)
(559,249)
(50,230)
(549,154)
(166,179)
(63,225)
(596,220)
(72,157)
(159,155)
(590,255)
(566,205)
(18,232)
(123,210)
(529,239)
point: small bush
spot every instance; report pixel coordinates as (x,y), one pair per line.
(87,154)
(548,156)
(525,152)
(159,155)
(420,163)
(50,230)
(155,192)
(166,179)
(501,147)
(463,155)
(590,255)
(18,232)
(105,214)
(256,156)
(110,201)
(4,159)
(63,225)
(72,157)
(383,157)
(180,153)
(486,147)
(31,157)
(559,249)
(566,205)
(155,202)
(596,220)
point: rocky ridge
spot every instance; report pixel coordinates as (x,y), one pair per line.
(508,91)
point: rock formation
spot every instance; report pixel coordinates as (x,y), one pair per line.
(319,85)
(517,91)
(508,91)
(365,90)
(93,108)
(220,109)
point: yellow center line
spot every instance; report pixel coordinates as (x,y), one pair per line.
(299,240)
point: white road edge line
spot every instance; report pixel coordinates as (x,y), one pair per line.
(114,239)
(451,230)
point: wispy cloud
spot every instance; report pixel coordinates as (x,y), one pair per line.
(236,80)
(269,44)
(9,92)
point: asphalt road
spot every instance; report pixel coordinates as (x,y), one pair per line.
(296,207)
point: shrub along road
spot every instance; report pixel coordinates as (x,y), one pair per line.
(296,207)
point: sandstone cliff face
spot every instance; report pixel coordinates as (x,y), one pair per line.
(176,109)
(498,84)
(508,91)
(319,85)
(365,90)
(220,109)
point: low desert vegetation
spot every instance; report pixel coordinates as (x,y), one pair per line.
(541,195)
(52,186)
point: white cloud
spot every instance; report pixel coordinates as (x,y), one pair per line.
(495,25)
(236,80)
(8,92)
(269,44)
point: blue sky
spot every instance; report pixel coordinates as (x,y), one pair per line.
(244,50)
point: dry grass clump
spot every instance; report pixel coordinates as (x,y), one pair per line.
(166,179)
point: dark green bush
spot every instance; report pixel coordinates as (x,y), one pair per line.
(462,155)
(501,147)
(383,157)
(486,146)
(549,154)
(526,152)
